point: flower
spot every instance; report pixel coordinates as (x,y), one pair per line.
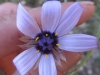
(51,37)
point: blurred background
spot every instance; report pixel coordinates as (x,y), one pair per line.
(92,66)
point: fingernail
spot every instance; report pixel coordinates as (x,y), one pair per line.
(86,2)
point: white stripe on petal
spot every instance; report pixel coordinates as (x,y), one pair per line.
(51,12)
(47,65)
(25,23)
(26,60)
(69,19)
(78,42)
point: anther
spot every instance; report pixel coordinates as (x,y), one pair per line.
(57,44)
(37,38)
(46,55)
(38,51)
(46,34)
(56,34)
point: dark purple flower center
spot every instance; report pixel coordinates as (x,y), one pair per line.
(46,41)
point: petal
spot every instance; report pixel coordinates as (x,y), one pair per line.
(25,23)
(69,19)
(51,12)
(26,60)
(78,42)
(47,65)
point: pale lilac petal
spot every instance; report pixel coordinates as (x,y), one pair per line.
(36,65)
(25,23)
(78,42)
(51,12)
(69,19)
(47,65)
(26,60)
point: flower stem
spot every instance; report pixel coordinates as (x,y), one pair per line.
(82,63)
(86,57)
(98,33)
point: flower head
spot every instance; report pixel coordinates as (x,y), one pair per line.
(50,39)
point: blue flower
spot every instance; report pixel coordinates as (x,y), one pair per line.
(51,37)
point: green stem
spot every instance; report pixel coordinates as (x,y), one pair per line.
(98,33)
(82,63)
(97,16)
(87,56)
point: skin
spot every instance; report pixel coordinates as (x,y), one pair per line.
(9,36)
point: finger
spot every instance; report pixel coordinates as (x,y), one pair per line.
(88,10)
(4,11)
(12,8)
(12,34)
(9,35)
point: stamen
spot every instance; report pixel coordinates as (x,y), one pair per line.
(38,51)
(46,34)
(46,55)
(56,34)
(57,44)
(37,38)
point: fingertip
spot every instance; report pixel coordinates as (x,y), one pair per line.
(88,10)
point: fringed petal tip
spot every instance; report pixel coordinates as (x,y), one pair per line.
(78,42)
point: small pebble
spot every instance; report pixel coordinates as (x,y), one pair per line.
(90,71)
(23,2)
(81,69)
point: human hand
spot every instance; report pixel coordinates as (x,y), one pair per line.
(9,38)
